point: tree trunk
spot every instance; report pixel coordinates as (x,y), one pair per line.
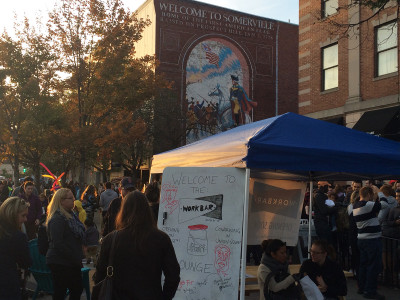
(82,165)
(36,173)
(15,166)
(105,176)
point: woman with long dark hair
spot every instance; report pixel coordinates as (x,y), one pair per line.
(141,254)
(65,254)
(14,251)
(90,200)
(274,270)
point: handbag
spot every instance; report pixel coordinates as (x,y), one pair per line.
(103,290)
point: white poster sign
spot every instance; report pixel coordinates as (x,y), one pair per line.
(275,210)
(201,209)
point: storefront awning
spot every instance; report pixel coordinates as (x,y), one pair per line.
(337,120)
(376,121)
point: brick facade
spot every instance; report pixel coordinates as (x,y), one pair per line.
(359,88)
(241,44)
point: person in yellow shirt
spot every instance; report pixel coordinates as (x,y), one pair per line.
(80,211)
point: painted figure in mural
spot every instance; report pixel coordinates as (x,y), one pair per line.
(222,109)
(198,109)
(191,119)
(240,102)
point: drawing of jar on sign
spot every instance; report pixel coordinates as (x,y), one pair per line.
(197,240)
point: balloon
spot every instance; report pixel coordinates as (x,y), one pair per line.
(56,184)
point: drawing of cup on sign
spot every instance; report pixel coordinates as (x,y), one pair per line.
(222,256)
(197,240)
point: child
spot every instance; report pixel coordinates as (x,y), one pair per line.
(91,241)
(332,198)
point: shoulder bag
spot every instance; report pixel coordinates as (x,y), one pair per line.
(104,289)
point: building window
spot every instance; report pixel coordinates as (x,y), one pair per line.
(386,49)
(329,7)
(330,68)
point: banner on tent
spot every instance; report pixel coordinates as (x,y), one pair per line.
(201,209)
(274,210)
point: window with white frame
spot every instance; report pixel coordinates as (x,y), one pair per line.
(330,67)
(329,7)
(386,49)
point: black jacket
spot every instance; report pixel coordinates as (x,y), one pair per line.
(331,273)
(321,210)
(393,229)
(137,276)
(64,247)
(14,252)
(111,215)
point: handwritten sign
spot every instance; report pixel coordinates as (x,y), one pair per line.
(274,210)
(203,215)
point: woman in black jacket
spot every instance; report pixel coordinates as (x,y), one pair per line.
(326,273)
(14,251)
(65,254)
(141,254)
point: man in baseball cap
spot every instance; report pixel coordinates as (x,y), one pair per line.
(126,186)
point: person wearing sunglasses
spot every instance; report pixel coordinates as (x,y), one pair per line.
(66,235)
(324,271)
(14,251)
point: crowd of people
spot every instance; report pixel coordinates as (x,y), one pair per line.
(348,219)
(359,217)
(63,224)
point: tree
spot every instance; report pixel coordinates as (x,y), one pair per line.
(375,7)
(96,39)
(27,76)
(130,132)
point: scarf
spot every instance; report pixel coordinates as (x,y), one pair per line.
(274,265)
(77,228)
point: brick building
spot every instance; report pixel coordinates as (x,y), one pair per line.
(349,75)
(228,68)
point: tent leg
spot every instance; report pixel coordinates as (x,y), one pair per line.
(244,235)
(310,218)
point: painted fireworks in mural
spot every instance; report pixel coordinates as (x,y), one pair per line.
(217,83)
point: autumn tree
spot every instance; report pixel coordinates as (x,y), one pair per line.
(96,40)
(347,26)
(129,135)
(27,77)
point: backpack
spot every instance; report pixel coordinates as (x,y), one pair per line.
(292,292)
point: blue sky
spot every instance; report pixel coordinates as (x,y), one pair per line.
(282,10)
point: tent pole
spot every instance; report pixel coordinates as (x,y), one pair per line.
(244,234)
(310,218)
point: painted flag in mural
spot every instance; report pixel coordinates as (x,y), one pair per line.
(211,56)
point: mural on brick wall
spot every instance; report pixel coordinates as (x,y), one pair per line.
(217,87)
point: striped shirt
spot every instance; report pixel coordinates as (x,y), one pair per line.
(366,216)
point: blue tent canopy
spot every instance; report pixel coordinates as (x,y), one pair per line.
(291,146)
